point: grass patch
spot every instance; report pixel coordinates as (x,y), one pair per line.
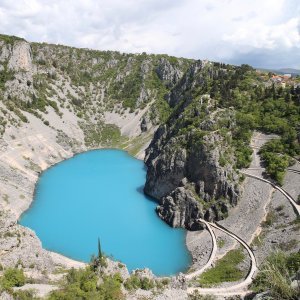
(288,246)
(275,276)
(197,296)
(225,270)
(136,144)
(106,135)
(10,39)
(257,241)
(220,243)
(270,219)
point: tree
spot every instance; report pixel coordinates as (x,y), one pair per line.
(99,249)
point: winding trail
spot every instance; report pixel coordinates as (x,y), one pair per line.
(285,193)
(237,289)
(258,139)
(212,254)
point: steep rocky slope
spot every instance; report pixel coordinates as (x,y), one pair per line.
(186,171)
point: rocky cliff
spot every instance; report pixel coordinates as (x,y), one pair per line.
(187,169)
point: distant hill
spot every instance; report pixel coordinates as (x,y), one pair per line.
(289,71)
(292,71)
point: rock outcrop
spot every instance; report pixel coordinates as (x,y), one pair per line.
(180,209)
(187,172)
(190,184)
(21,57)
(168,72)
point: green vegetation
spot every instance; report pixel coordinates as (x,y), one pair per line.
(24,295)
(107,135)
(135,282)
(258,240)
(288,246)
(11,278)
(220,243)
(275,276)
(225,270)
(84,284)
(240,102)
(197,296)
(133,146)
(100,255)
(276,158)
(5,75)
(270,218)
(10,39)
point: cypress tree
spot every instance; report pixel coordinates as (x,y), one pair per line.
(99,249)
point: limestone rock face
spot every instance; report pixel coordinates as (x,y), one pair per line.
(190,80)
(145,123)
(4,51)
(172,172)
(212,181)
(165,171)
(143,97)
(19,62)
(21,57)
(21,246)
(168,73)
(180,209)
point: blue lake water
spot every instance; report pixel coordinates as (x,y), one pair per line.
(100,194)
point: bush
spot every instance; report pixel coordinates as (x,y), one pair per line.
(83,284)
(275,162)
(24,295)
(135,282)
(11,278)
(197,296)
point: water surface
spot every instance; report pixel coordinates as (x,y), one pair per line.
(99,194)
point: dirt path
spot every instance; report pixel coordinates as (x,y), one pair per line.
(286,194)
(212,255)
(237,288)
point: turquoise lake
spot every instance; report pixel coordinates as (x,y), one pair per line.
(100,194)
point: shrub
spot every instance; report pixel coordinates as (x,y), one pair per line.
(83,284)
(12,277)
(24,295)
(135,282)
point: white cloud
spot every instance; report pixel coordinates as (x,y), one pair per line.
(260,35)
(224,30)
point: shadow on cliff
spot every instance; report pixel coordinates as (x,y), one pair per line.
(141,190)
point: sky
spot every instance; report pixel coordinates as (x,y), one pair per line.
(262,33)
